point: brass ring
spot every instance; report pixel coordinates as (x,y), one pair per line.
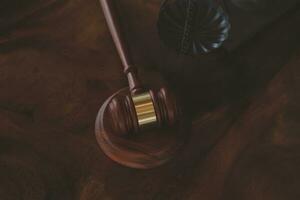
(144,108)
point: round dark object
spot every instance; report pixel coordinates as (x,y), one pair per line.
(192,26)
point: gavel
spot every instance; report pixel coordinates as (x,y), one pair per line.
(142,108)
(140,127)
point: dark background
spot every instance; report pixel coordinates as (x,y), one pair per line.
(58,65)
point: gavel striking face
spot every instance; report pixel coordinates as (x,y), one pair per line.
(141,108)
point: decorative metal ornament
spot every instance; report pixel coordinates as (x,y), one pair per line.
(192,26)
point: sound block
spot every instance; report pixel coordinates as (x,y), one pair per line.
(144,150)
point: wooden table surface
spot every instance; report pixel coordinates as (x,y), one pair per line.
(58,65)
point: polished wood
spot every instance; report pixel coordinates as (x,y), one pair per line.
(58,65)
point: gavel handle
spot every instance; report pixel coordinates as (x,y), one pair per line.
(121,45)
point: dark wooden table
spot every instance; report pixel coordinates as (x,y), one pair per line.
(58,64)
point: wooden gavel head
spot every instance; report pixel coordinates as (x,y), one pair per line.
(143,110)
